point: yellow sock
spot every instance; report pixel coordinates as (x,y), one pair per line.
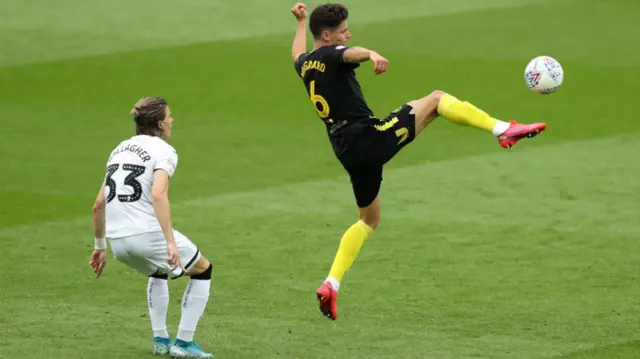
(350,245)
(465,114)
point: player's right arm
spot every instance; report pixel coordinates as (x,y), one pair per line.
(356,55)
(99,220)
(98,257)
(160,201)
(299,45)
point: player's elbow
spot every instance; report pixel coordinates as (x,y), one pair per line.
(98,208)
(160,187)
(159,196)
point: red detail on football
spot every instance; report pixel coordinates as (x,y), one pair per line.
(535,77)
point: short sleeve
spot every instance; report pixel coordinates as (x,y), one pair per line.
(335,55)
(167,161)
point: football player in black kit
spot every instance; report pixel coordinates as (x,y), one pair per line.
(362,142)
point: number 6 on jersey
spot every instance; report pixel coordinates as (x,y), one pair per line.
(318,99)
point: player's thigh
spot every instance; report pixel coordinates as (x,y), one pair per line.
(119,247)
(201,265)
(152,248)
(425,110)
(366,181)
(393,133)
(189,253)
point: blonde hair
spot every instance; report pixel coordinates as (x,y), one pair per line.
(146,113)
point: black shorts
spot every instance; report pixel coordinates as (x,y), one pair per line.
(373,148)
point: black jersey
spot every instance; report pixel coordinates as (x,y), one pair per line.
(335,92)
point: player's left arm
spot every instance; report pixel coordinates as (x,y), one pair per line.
(99,221)
(356,55)
(164,169)
(299,45)
(98,257)
(162,208)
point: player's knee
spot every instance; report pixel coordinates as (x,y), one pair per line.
(435,96)
(371,213)
(426,108)
(372,218)
(437,93)
(205,275)
(373,222)
(159,275)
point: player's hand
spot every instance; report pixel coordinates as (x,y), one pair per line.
(173,256)
(380,64)
(98,261)
(299,10)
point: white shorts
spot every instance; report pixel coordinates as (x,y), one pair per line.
(147,252)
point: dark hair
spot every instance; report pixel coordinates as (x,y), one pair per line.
(327,16)
(146,113)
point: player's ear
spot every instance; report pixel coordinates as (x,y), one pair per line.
(325,35)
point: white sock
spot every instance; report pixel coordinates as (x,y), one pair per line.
(500,127)
(158,302)
(334,283)
(193,303)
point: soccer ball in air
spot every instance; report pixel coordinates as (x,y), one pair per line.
(544,74)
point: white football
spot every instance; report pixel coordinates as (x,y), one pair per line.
(544,74)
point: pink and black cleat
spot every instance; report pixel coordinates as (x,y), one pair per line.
(328,300)
(517,131)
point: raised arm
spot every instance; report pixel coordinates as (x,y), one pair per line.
(299,46)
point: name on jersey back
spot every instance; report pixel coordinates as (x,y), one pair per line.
(141,152)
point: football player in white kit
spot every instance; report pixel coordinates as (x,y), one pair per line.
(132,212)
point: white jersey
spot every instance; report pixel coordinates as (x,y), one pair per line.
(128,184)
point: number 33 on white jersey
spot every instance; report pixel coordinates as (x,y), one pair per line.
(128,183)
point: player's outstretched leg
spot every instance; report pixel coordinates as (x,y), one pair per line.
(466,114)
(194,302)
(350,245)
(158,302)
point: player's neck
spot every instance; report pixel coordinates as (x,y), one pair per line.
(163,137)
(320,43)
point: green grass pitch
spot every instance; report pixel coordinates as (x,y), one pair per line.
(482,253)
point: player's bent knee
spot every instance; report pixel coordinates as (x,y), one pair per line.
(436,96)
(205,275)
(432,100)
(199,267)
(372,222)
(428,105)
(159,275)
(371,214)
